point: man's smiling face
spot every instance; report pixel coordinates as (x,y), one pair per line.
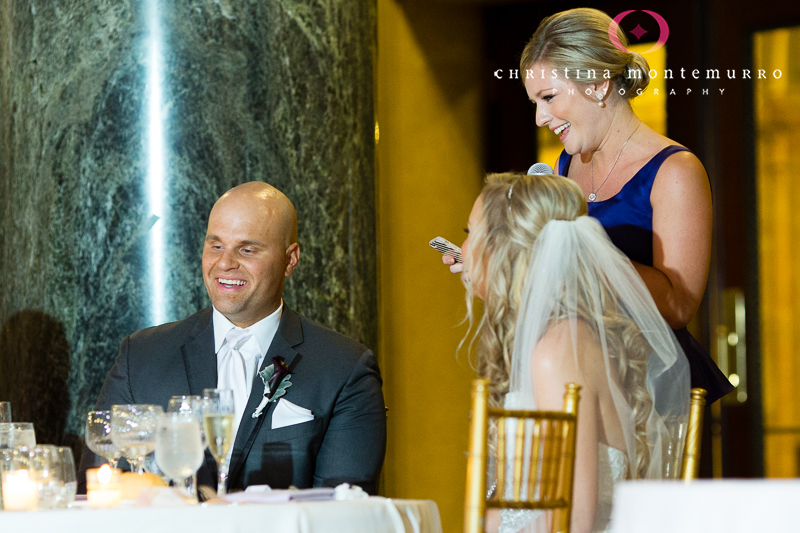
(247,255)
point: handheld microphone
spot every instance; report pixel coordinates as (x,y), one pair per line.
(540,168)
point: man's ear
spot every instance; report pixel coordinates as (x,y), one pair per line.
(292,257)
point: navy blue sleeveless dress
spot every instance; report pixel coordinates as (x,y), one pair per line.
(628,219)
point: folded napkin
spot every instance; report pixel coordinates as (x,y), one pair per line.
(264,494)
(288,414)
(163,497)
(346,492)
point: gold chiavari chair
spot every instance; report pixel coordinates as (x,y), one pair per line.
(690,467)
(550,459)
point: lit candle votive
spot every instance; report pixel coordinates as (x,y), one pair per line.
(104,488)
(20,491)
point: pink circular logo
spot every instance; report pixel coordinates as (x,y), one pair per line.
(663,29)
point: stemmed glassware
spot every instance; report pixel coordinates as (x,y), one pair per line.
(19,480)
(179,449)
(190,405)
(98,436)
(14,434)
(218,423)
(5,411)
(53,469)
(66,464)
(133,430)
(6,464)
(44,478)
(673,447)
(185,404)
(44,458)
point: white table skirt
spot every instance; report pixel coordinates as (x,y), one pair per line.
(367,516)
(707,506)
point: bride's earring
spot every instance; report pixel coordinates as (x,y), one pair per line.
(600,97)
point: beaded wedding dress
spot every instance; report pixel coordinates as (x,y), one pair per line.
(612,466)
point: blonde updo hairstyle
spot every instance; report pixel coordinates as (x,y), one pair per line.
(516,207)
(578,40)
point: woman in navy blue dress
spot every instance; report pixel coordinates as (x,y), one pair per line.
(651,194)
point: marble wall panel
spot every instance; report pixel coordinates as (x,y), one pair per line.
(91,92)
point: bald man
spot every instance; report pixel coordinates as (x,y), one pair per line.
(328,426)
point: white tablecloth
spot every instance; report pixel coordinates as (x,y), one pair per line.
(707,506)
(355,516)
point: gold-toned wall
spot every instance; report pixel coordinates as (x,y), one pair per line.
(777,104)
(429,173)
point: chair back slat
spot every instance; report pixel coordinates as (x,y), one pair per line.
(474,499)
(533,470)
(567,454)
(690,467)
(562,517)
(519,458)
(553,457)
(544,478)
(500,491)
(541,465)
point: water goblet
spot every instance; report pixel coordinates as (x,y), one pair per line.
(184,404)
(18,479)
(133,430)
(66,464)
(194,405)
(673,447)
(190,405)
(179,450)
(98,437)
(5,411)
(218,423)
(6,464)
(13,434)
(49,476)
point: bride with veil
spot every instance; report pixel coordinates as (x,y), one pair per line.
(562,304)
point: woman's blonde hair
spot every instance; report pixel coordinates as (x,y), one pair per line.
(578,40)
(516,208)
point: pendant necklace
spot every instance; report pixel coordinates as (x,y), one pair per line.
(593,194)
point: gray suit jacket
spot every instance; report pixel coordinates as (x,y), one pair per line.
(333,376)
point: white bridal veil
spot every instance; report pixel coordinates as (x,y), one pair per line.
(576,273)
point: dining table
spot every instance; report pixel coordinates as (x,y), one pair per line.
(706,506)
(367,515)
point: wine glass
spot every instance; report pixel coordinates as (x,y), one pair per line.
(184,404)
(190,405)
(14,434)
(133,430)
(66,463)
(218,423)
(673,447)
(18,478)
(98,436)
(5,411)
(179,450)
(55,474)
(45,463)
(6,464)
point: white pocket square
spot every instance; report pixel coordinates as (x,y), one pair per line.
(288,414)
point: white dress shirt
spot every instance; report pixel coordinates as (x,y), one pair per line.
(253,350)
